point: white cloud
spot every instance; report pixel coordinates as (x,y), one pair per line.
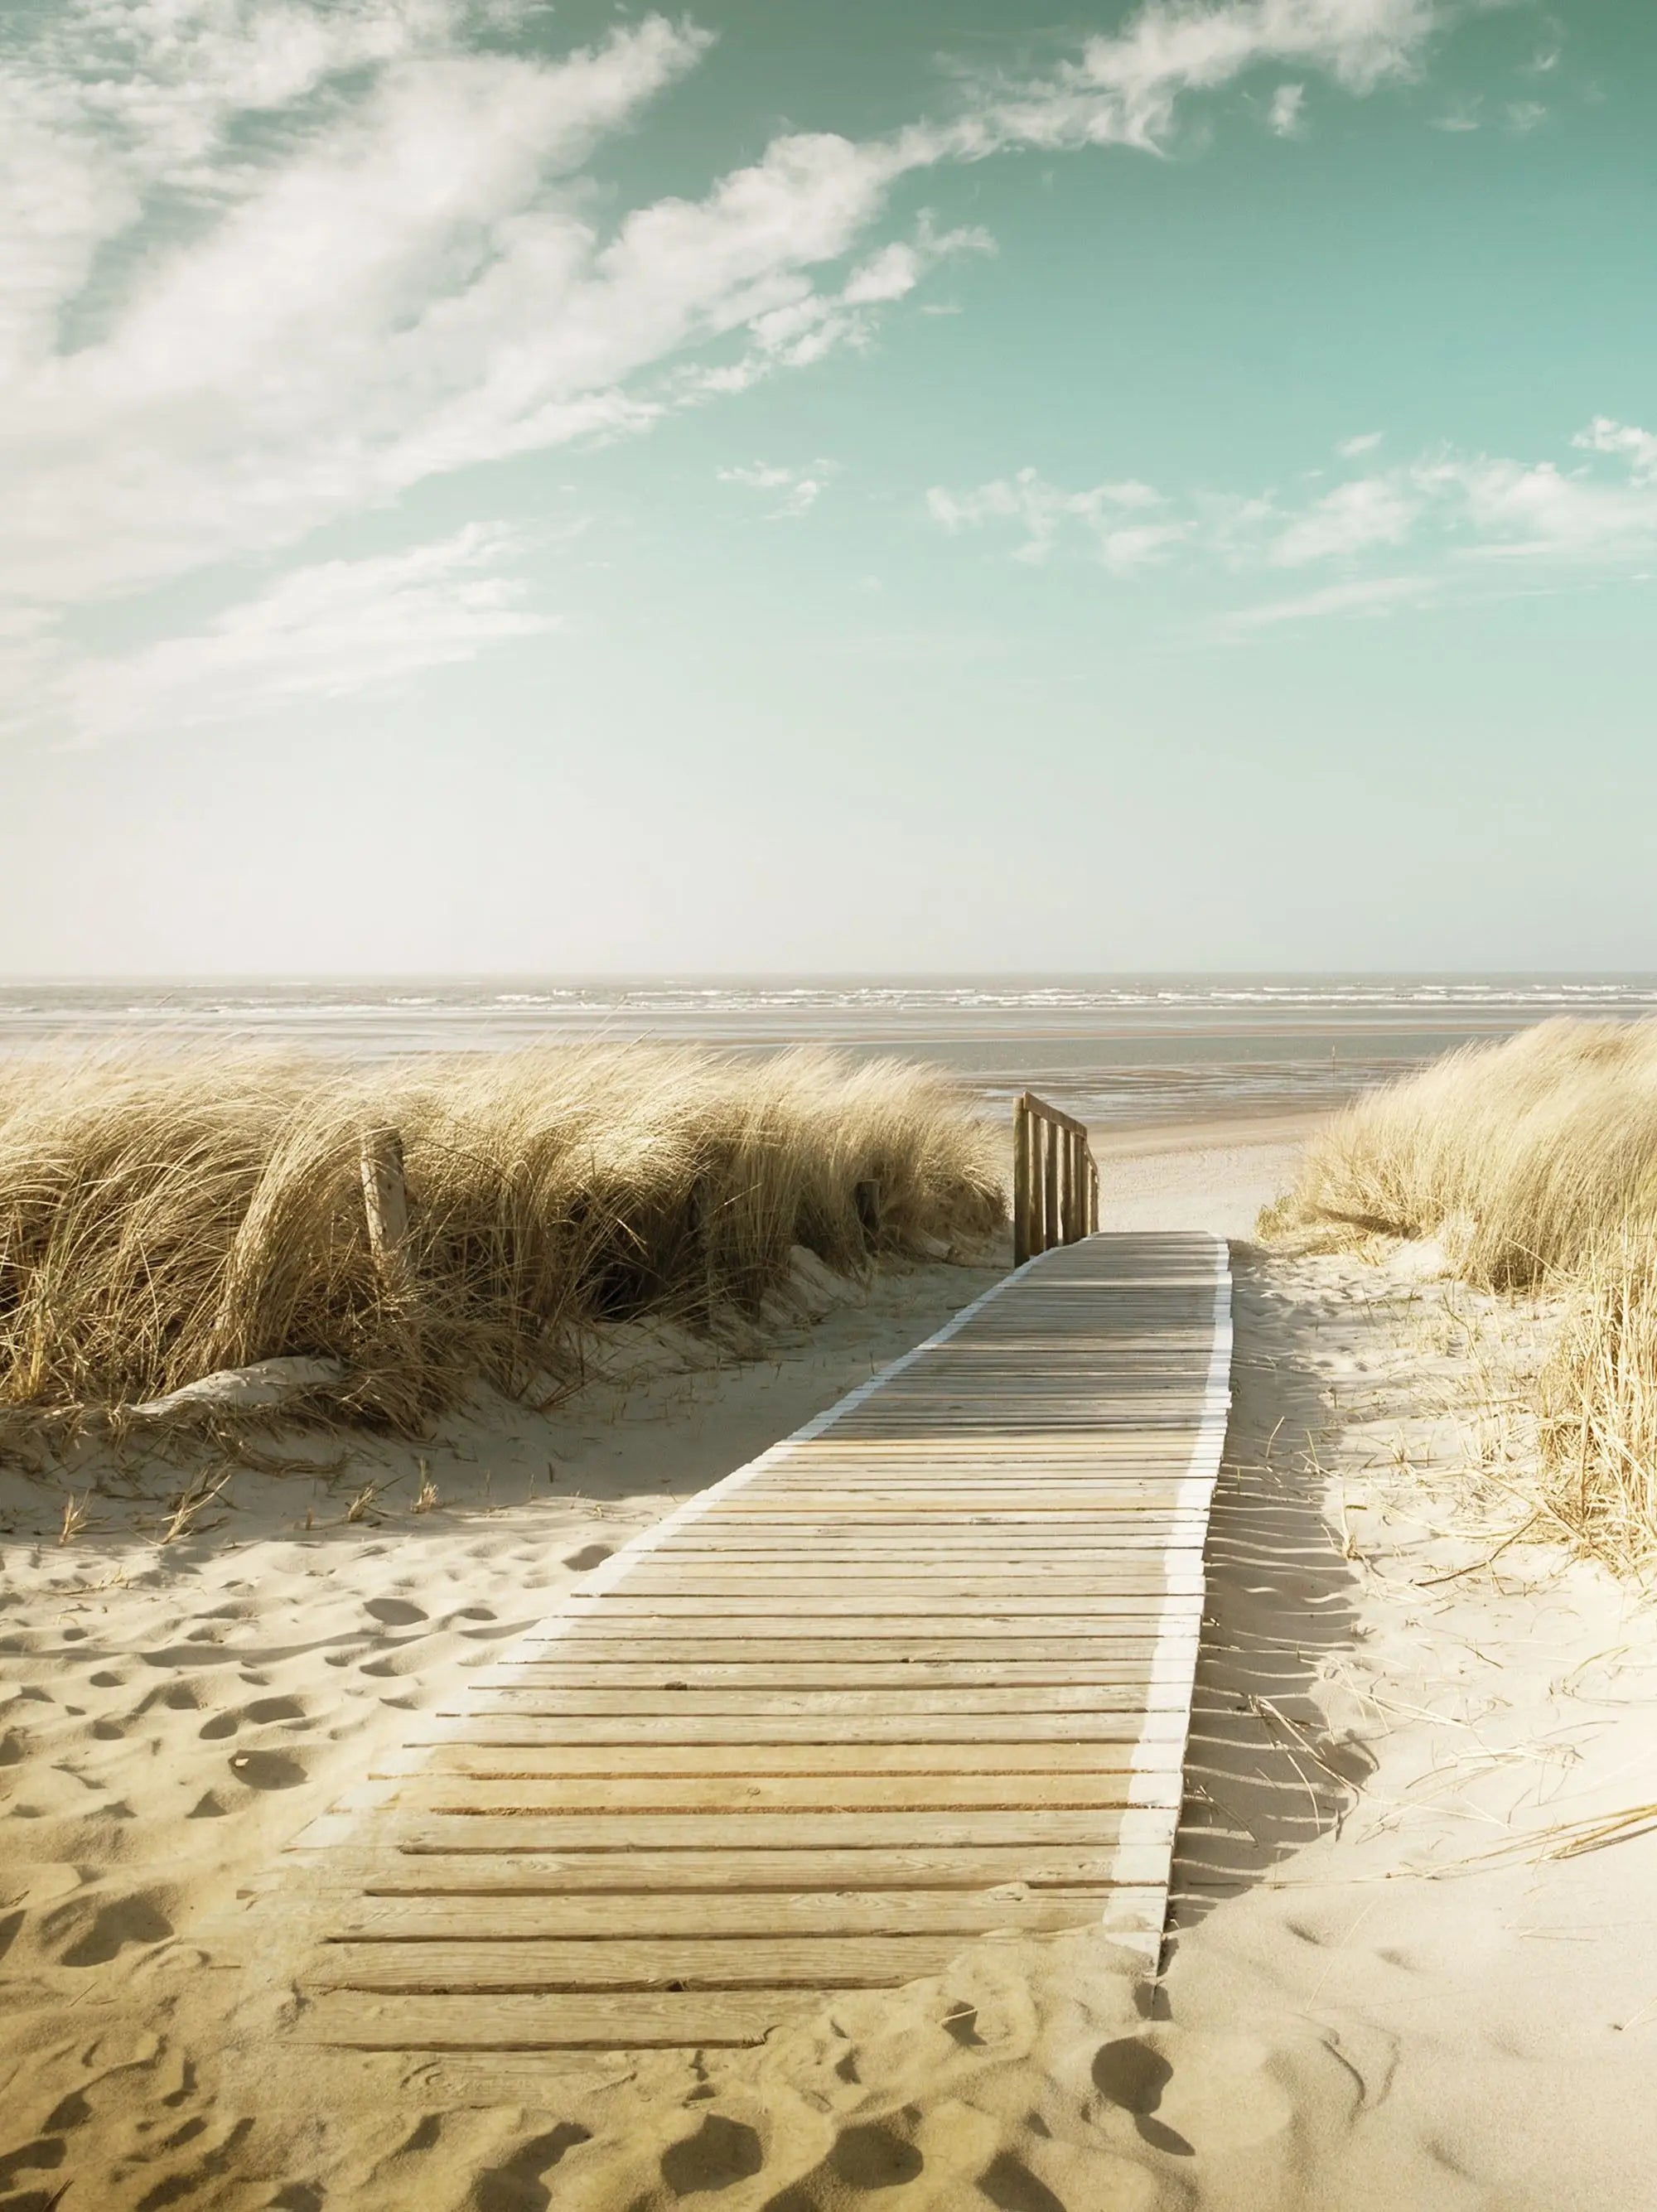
(800,488)
(1042,510)
(1376,595)
(1365,442)
(1535,511)
(1603,435)
(268,264)
(1369,510)
(338,627)
(1470,508)
(1123,89)
(388,281)
(1523,115)
(1286,115)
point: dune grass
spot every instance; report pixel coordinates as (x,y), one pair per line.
(167,1214)
(1534,1164)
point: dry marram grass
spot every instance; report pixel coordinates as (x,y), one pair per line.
(164,1215)
(1534,1164)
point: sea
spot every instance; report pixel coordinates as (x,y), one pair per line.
(1121,1052)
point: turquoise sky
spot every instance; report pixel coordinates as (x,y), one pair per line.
(816,485)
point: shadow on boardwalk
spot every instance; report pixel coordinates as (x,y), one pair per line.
(1262,1780)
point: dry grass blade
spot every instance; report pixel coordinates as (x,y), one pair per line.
(364,1503)
(1570,1839)
(182,1522)
(75,1517)
(166,1215)
(426,1498)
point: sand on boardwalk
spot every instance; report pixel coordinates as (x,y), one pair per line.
(1414,1957)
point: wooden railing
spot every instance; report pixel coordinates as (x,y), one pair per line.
(1055,1180)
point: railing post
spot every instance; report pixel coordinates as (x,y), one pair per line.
(1020,1181)
(1051,1230)
(1055,1179)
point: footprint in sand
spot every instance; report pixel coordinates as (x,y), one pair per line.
(1134,2075)
(1011,2187)
(519,2185)
(721,2152)
(267,1770)
(265,1709)
(137,1918)
(872,2156)
(589,1555)
(262,1712)
(395,1612)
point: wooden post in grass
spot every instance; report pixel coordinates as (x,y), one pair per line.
(385,1201)
(704,1299)
(867,1198)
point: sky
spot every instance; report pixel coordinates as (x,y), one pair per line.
(820,486)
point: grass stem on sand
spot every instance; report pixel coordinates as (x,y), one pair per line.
(165,1215)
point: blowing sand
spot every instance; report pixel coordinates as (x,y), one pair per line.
(1414,1960)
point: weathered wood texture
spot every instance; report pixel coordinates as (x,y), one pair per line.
(922,1671)
(1055,1179)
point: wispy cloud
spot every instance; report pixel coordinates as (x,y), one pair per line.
(213,340)
(1124,89)
(271,267)
(1467,510)
(1365,442)
(1375,595)
(1286,114)
(1119,518)
(336,628)
(797,489)
(1368,511)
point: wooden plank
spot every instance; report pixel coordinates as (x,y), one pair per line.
(1114,1665)
(417,1864)
(917,1601)
(914,1582)
(481,1746)
(452,1788)
(901,1703)
(712,1832)
(960,1914)
(614,1621)
(344,2019)
(848,1732)
(480,1964)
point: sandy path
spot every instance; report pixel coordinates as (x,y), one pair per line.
(1382,1992)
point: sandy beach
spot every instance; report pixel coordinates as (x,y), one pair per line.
(1413,1961)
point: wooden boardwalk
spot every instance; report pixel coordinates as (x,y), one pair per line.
(923,1670)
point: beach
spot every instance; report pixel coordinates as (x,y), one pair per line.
(1411,1956)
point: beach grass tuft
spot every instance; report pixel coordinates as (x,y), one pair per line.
(168,1214)
(1533,1163)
